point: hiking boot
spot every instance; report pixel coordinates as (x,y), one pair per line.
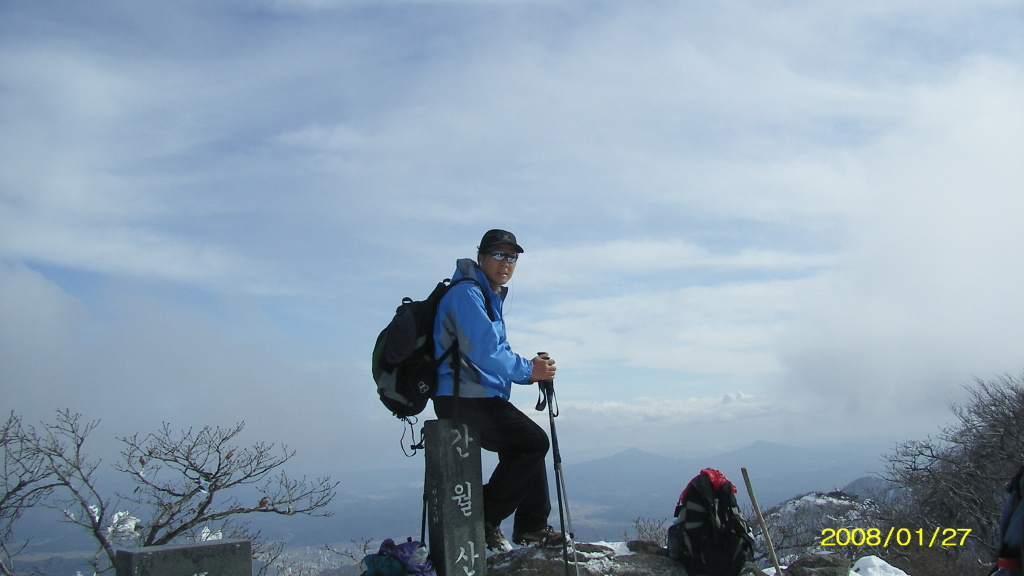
(545,537)
(496,541)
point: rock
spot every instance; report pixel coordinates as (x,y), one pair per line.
(592,560)
(645,547)
(646,565)
(819,565)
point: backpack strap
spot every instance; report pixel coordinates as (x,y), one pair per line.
(487,298)
(456,379)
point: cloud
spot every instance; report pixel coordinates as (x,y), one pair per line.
(38,340)
(161,362)
(922,300)
(696,330)
(707,422)
(674,410)
(212,209)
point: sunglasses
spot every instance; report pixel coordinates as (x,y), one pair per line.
(499,256)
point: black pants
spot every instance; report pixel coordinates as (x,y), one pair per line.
(519,483)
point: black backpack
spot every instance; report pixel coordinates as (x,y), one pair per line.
(709,536)
(404,366)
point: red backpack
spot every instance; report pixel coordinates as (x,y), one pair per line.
(709,535)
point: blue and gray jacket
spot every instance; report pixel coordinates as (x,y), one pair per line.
(488,364)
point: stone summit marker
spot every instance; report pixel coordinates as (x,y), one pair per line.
(454,495)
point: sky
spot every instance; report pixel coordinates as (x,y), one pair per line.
(744,220)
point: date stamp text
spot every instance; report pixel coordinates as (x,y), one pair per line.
(894,537)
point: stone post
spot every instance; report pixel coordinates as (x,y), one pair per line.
(455,499)
(210,558)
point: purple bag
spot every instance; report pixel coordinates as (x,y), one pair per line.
(409,557)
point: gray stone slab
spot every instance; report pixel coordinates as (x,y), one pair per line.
(212,558)
(455,499)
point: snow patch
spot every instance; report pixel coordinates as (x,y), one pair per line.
(875,566)
(620,548)
(866,566)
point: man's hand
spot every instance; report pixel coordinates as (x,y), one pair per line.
(543,368)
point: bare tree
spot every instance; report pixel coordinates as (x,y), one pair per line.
(24,482)
(184,479)
(649,530)
(60,446)
(352,556)
(956,479)
(189,485)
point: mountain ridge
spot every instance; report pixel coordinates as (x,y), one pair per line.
(605,495)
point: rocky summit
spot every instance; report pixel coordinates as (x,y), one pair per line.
(645,559)
(648,559)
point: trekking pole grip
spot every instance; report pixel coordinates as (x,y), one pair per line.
(546,386)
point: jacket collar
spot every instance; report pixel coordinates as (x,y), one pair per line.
(467,268)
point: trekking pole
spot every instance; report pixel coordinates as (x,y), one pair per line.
(547,389)
(563,506)
(760,520)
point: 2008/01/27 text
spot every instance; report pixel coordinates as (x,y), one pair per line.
(894,537)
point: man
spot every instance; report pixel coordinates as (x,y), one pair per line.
(487,369)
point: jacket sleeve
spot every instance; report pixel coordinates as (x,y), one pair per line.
(484,342)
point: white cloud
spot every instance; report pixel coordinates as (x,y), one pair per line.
(923,299)
(701,329)
(816,204)
(674,410)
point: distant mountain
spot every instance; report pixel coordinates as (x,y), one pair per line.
(605,495)
(623,476)
(608,494)
(778,471)
(872,488)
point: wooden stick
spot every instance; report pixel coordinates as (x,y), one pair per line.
(760,520)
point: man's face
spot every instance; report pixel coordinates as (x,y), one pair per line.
(498,272)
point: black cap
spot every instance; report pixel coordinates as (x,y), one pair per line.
(494,237)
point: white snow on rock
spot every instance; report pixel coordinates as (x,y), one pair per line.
(866,566)
(875,566)
(604,561)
